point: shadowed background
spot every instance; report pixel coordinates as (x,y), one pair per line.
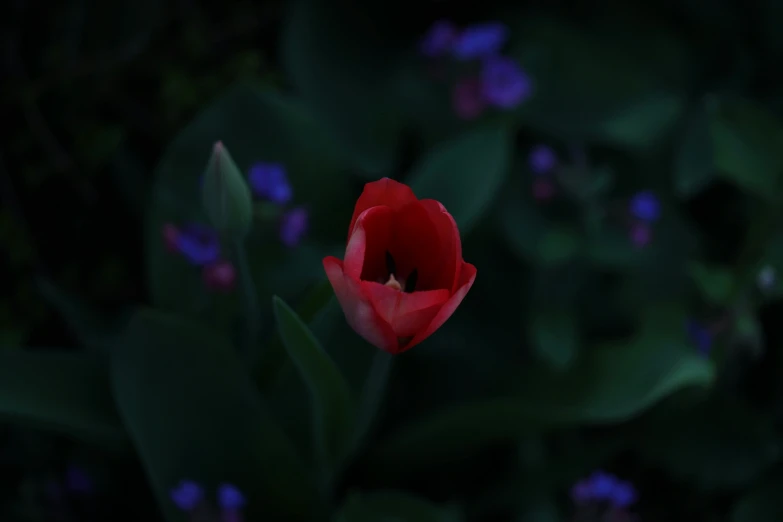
(623,216)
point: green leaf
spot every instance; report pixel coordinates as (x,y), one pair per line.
(389,506)
(466,173)
(610,383)
(333,406)
(747,141)
(226,195)
(643,121)
(91,328)
(693,161)
(192,413)
(592,86)
(715,445)
(557,245)
(340,64)
(555,338)
(761,504)
(273,356)
(60,391)
(715,284)
(257,126)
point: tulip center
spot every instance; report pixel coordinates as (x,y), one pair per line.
(398,283)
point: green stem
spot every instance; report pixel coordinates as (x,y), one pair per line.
(372,397)
(251,309)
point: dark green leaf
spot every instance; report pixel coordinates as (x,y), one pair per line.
(388,506)
(273,356)
(90,327)
(193,414)
(763,503)
(555,338)
(714,445)
(589,86)
(257,126)
(342,68)
(466,173)
(607,384)
(715,284)
(333,406)
(65,392)
(748,145)
(693,162)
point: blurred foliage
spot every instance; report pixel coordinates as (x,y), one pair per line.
(583,345)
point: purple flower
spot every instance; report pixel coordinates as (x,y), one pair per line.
(269,181)
(467,98)
(78,481)
(624,495)
(219,276)
(293,226)
(438,40)
(641,235)
(504,82)
(187,495)
(230,498)
(480,41)
(602,484)
(198,243)
(645,206)
(700,336)
(604,487)
(542,159)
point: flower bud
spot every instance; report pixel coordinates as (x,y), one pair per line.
(226,195)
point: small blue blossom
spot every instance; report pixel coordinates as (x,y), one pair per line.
(187,495)
(78,481)
(504,83)
(438,40)
(542,159)
(604,487)
(293,226)
(603,484)
(230,498)
(198,244)
(645,206)
(624,495)
(269,181)
(480,41)
(700,336)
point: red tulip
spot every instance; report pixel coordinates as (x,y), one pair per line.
(403,274)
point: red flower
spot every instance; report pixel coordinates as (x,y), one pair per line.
(403,274)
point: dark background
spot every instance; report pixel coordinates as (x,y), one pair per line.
(95,95)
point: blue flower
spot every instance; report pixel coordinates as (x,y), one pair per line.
(230,498)
(438,40)
(187,495)
(199,244)
(624,495)
(269,181)
(480,41)
(604,487)
(700,336)
(78,481)
(645,206)
(293,226)
(542,159)
(504,83)
(603,484)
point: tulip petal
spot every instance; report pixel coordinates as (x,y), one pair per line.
(366,249)
(406,313)
(451,244)
(466,278)
(384,192)
(359,313)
